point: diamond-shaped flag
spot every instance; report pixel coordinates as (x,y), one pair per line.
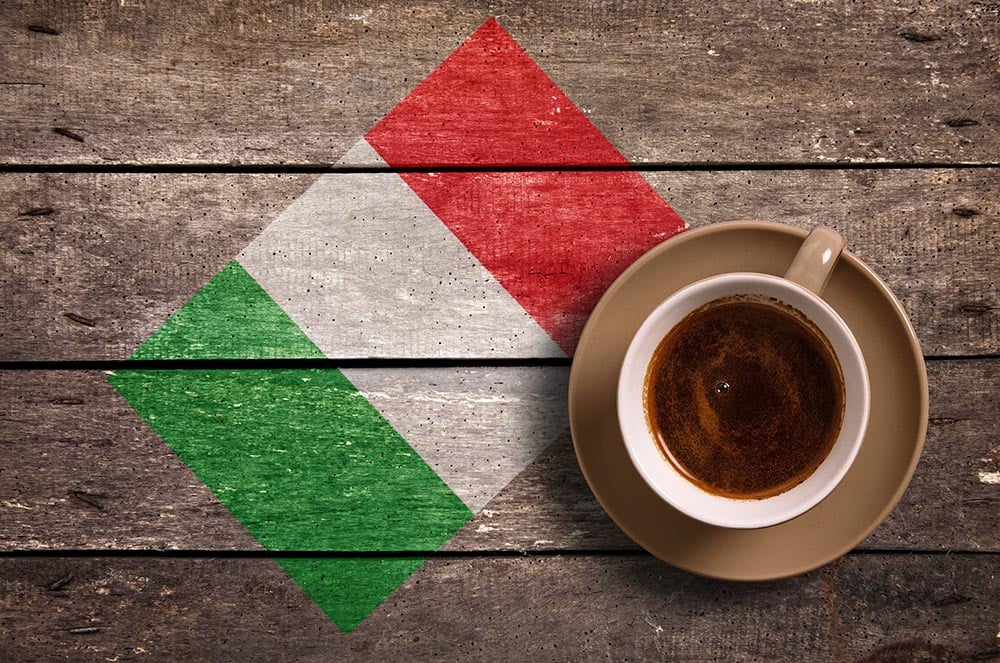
(413,264)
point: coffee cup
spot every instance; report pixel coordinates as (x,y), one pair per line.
(743,398)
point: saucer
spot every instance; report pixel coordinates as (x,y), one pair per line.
(871,488)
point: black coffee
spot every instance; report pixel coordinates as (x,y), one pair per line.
(745,397)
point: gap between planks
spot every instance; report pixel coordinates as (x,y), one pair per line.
(373,362)
(438,554)
(321,168)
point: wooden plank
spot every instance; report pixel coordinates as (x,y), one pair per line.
(94,264)
(117,256)
(75,457)
(89,476)
(583,608)
(81,470)
(953,496)
(265,83)
(920,231)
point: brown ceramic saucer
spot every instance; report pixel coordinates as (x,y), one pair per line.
(874,483)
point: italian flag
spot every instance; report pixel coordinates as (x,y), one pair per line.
(501,260)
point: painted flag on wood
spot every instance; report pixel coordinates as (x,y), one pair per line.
(451,264)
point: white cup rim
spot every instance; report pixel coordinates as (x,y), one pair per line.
(678,491)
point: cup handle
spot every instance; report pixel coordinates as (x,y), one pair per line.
(817,257)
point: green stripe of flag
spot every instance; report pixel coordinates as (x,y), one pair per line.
(298,456)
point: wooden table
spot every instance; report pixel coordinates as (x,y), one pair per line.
(344,437)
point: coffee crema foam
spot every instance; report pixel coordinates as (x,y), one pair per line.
(745,397)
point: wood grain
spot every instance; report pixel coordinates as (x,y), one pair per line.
(363,267)
(478,429)
(862,608)
(266,83)
(94,264)
(75,457)
(82,471)
(106,259)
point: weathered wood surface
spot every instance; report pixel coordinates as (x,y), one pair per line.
(871,608)
(94,264)
(81,470)
(269,83)
(127,243)
(951,503)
